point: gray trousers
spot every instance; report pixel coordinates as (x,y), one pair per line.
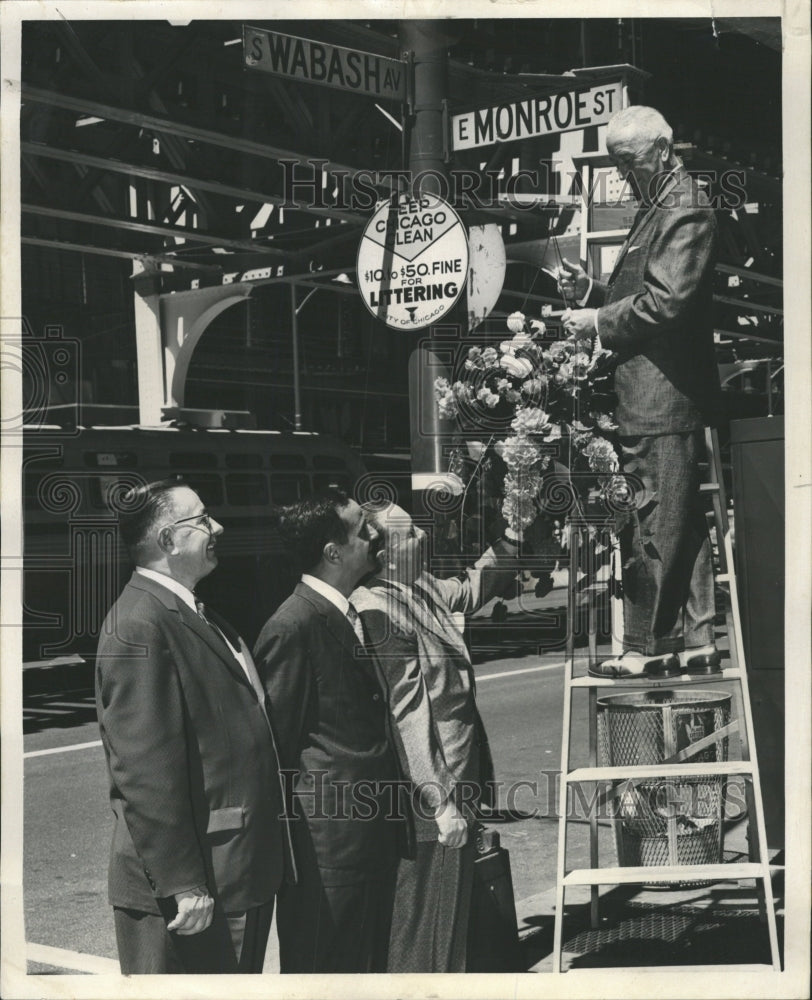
(667,571)
(231,943)
(432,907)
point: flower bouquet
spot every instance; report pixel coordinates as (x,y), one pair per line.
(552,402)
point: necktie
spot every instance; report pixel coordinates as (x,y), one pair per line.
(201,611)
(354,620)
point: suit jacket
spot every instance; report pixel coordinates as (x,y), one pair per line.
(422,655)
(329,712)
(656,313)
(194,772)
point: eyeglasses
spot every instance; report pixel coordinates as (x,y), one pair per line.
(204,518)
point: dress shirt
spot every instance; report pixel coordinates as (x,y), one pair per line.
(190,601)
(330,593)
(338,600)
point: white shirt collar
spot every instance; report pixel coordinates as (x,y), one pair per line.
(183,592)
(327,592)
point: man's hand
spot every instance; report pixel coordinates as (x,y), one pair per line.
(195,910)
(580,324)
(573,281)
(453,828)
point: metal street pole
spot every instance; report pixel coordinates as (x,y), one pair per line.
(426,43)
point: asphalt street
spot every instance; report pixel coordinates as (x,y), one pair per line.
(68,820)
(520,696)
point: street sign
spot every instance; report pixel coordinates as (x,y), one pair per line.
(329,65)
(536,116)
(412,261)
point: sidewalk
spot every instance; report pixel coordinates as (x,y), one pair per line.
(712,924)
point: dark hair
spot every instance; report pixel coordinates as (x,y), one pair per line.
(142,507)
(307,526)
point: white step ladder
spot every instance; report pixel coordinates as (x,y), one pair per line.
(676,764)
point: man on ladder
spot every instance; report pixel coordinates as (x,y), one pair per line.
(655,313)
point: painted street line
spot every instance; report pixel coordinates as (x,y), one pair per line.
(76,746)
(515,673)
(76,961)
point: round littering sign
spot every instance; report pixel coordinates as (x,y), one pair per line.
(412,261)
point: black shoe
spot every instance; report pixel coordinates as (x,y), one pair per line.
(630,665)
(701,660)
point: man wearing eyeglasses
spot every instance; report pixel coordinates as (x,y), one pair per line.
(656,314)
(199,843)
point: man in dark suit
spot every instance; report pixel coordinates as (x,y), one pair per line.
(329,712)
(199,843)
(655,313)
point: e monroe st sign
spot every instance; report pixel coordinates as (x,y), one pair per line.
(412,261)
(329,65)
(536,116)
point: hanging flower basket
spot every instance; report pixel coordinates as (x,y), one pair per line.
(557,398)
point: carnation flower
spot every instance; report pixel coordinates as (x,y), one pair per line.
(519,512)
(601,456)
(515,322)
(604,421)
(474,359)
(518,367)
(521,342)
(490,358)
(463,392)
(560,350)
(530,421)
(518,452)
(618,491)
(490,399)
(525,483)
(537,328)
(446,404)
(534,386)
(506,347)
(565,373)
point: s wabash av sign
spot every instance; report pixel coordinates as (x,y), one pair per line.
(329,65)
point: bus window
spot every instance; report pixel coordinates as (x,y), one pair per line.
(324,480)
(289,489)
(247,489)
(288,461)
(328,462)
(207,485)
(192,460)
(111,459)
(242,461)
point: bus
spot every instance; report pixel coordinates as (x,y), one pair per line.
(74,563)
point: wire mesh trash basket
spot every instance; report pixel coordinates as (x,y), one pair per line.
(666,821)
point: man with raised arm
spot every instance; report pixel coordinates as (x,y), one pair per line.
(656,314)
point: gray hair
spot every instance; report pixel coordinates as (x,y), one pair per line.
(641,122)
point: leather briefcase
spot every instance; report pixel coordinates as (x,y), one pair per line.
(493,935)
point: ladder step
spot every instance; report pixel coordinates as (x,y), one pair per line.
(721,577)
(708,487)
(665,873)
(728,674)
(620,773)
